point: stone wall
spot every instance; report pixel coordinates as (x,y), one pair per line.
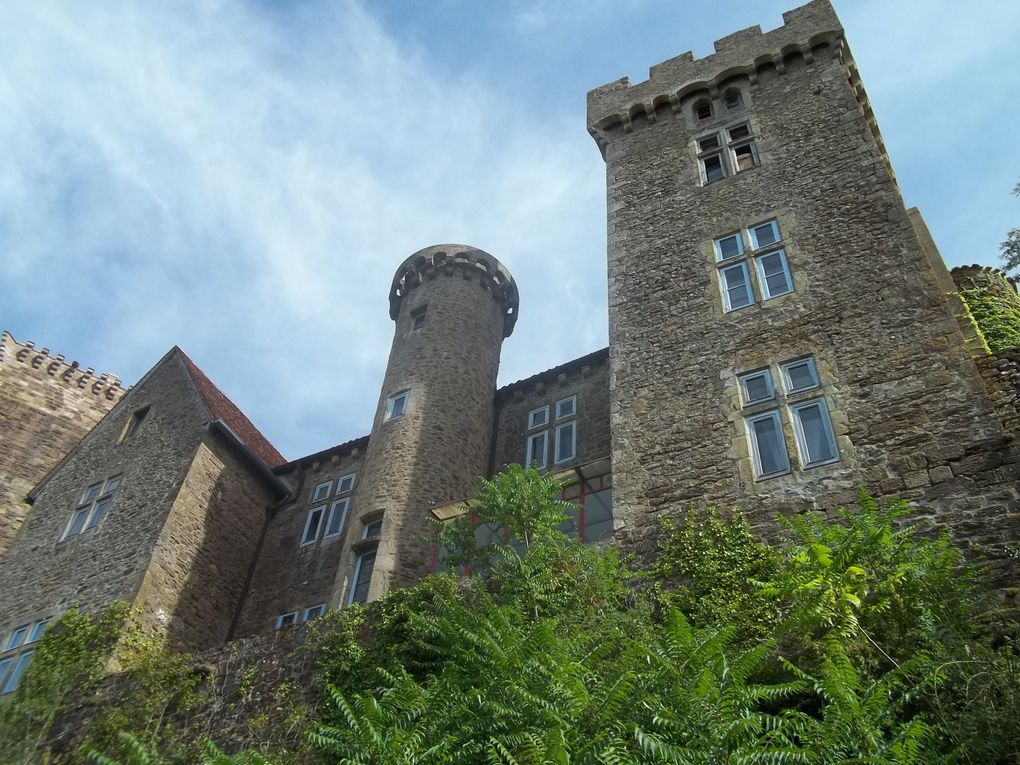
(205,552)
(289,576)
(908,407)
(587,378)
(1001,373)
(44,574)
(47,405)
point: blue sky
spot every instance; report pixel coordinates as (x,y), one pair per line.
(242,178)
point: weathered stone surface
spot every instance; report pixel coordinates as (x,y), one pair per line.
(47,405)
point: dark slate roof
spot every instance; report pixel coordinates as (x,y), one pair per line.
(595,357)
(346,446)
(222,408)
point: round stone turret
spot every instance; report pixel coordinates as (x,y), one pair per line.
(432,432)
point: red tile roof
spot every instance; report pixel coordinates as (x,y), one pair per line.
(222,408)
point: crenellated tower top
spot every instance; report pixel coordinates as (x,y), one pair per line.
(70,373)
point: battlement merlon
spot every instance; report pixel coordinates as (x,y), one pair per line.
(739,53)
(70,373)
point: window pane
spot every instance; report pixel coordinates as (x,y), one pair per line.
(598,516)
(800,375)
(19,669)
(91,493)
(16,638)
(322,491)
(4,666)
(744,156)
(707,144)
(738,132)
(536,450)
(372,529)
(312,526)
(345,484)
(738,292)
(363,578)
(757,387)
(566,407)
(703,110)
(337,516)
(79,520)
(732,99)
(769,446)
(111,485)
(314,611)
(713,168)
(102,507)
(565,442)
(765,234)
(816,433)
(775,279)
(285,620)
(538,417)
(37,630)
(728,247)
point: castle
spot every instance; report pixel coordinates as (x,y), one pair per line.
(782,332)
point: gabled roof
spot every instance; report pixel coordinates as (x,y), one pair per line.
(223,409)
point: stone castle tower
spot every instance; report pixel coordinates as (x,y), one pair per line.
(780,329)
(432,434)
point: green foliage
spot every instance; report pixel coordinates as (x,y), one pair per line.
(134,752)
(69,661)
(711,569)
(996,316)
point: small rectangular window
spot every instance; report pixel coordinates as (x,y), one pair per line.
(111,485)
(372,529)
(396,405)
(322,491)
(712,168)
(285,620)
(537,449)
(756,387)
(800,375)
(314,612)
(767,445)
(14,678)
(337,517)
(37,630)
(538,417)
(418,319)
(566,435)
(566,407)
(765,234)
(134,423)
(774,274)
(709,144)
(736,287)
(729,247)
(815,441)
(16,638)
(91,493)
(99,512)
(345,483)
(78,521)
(312,524)
(362,578)
(744,157)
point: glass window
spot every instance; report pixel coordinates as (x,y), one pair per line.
(767,445)
(5,665)
(111,485)
(91,493)
(337,517)
(14,678)
(598,515)
(16,638)
(713,168)
(765,234)
(372,529)
(744,157)
(418,319)
(285,620)
(313,612)
(96,503)
(774,274)
(134,423)
(101,509)
(800,375)
(322,491)
(396,405)
(312,524)
(729,247)
(566,408)
(756,386)
(538,417)
(736,287)
(703,109)
(537,449)
(732,98)
(814,433)
(345,483)
(37,630)
(362,578)
(708,144)
(740,131)
(565,442)
(78,521)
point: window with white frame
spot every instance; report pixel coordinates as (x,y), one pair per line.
(337,517)
(362,578)
(286,620)
(18,648)
(726,152)
(538,417)
(396,404)
(96,501)
(566,407)
(313,612)
(372,528)
(771,412)
(313,524)
(538,444)
(760,249)
(322,491)
(566,442)
(345,483)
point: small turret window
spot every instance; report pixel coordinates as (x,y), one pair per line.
(396,404)
(134,423)
(418,319)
